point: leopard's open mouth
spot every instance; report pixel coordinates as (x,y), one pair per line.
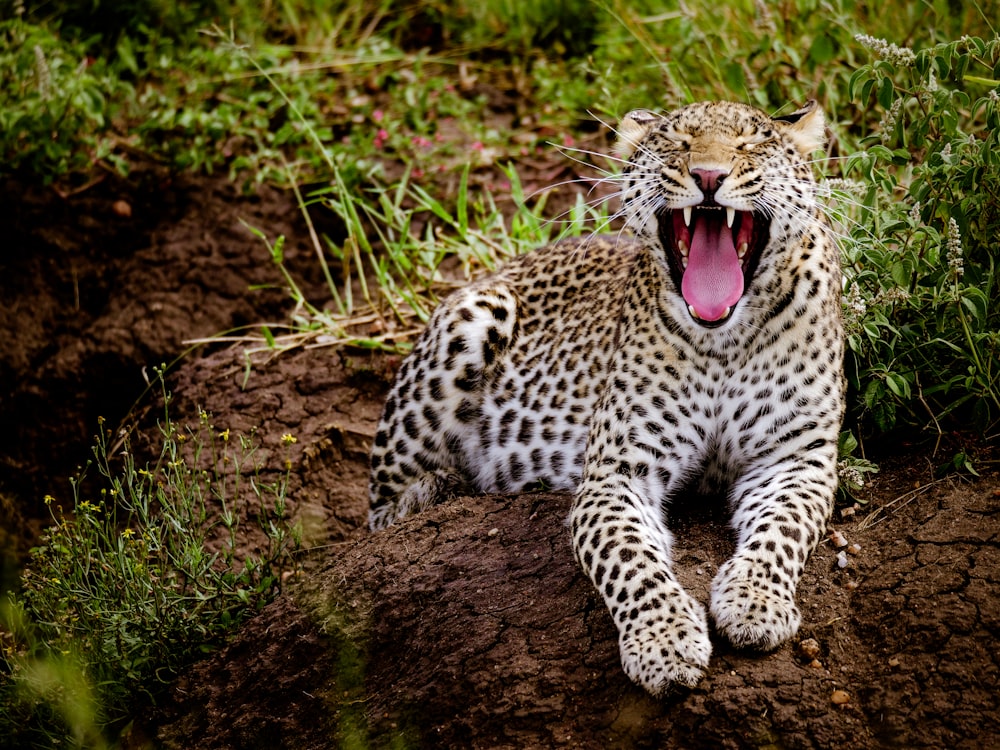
(712,253)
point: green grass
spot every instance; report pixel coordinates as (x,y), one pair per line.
(396,270)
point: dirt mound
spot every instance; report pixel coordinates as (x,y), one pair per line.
(101,286)
(471,626)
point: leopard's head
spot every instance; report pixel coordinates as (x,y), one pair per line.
(716,186)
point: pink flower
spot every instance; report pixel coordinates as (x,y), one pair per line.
(377,115)
(380,138)
(477,146)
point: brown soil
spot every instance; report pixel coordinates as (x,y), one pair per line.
(470,625)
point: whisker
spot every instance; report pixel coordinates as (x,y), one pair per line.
(570,151)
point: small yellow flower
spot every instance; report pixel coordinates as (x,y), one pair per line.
(128,534)
(225,435)
(49,499)
(288,438)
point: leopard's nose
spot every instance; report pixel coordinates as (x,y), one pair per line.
(708,180)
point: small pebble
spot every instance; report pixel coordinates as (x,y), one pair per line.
(853,549)
(493,532)
(894,662)
(815,664)
(838,539)
(841,559)
(840,697)
(809,647)
(851,585)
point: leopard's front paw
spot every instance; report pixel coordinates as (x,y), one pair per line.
(750,609)
(670,648)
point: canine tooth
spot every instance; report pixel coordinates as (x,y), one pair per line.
(741,251)
(730,216)
(725,313)
(683,248)
(687,215)
(692,311)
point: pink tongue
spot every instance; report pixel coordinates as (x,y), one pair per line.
(713,279)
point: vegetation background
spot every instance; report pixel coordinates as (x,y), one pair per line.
(380,113)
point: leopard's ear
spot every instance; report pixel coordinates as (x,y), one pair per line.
(632,129)
(805,128)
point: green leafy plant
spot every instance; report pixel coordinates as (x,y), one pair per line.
(922,291)
(140,579)
(852,470)
(55,116)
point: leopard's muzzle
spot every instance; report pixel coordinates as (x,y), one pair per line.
(712,252)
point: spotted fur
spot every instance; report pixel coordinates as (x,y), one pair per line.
(622,369)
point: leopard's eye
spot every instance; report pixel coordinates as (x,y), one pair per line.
(677,140)
(748,142)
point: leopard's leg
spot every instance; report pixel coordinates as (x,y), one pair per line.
(624,546)
(429,425)
(780,515)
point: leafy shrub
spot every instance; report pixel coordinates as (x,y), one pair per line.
(554,28)
(55,113)
(923,297)
(135,584)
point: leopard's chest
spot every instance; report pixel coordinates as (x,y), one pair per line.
(618,364)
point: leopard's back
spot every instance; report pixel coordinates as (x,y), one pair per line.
(536,406)
(499,390)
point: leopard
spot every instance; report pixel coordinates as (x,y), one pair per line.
(698,350)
